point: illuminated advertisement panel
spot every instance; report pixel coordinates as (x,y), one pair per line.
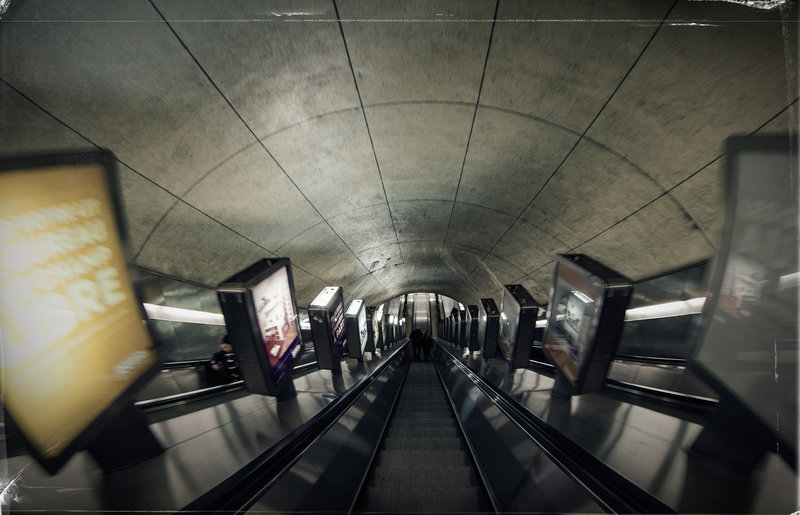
(263,325)
(463,327)
(488,328)
(377,327)
(72,337)
(277,321)
(472,332)
(518,311)
(356,328)
(455,327)
(585,322)
(326,313)
(371,336)
(747,347)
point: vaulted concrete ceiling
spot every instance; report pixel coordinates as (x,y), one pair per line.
(450,146)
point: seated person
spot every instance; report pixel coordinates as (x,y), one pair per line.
(224,364)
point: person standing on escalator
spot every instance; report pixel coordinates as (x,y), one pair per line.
(427,344)
(416,338)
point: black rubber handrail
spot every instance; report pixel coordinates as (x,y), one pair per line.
(612,491)
(684,400)
(206,392)
(189,363)
(188,396)
(235,492)
(651,360)
(679,397)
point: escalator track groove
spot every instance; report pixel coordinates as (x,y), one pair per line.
(423,464)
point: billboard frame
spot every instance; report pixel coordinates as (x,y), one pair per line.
(95,435)
(592,337)
(241,319)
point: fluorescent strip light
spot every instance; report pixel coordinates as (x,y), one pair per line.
(789,281)
(354,307)
(669,309)
(325,296)
(170,314)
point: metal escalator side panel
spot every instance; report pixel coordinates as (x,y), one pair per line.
(328,474)
(519,475)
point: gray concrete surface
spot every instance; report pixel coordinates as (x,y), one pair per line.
(449,146)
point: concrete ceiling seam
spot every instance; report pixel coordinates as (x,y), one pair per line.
(96,146)
(619,85)
(472,124)
(544,121)
(591,140)
(446,119)
(366,122)
(669,191)
(244,122)
(178,200)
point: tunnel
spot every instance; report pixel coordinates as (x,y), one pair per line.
(421,156)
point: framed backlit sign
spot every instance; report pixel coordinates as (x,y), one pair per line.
(587,310)
(377,327)
(261,316)
(71,331)
(371,340)
(488,328)
(518,311)
(326,313)
(455,327)
(355,319)
(472,327)
(747,346)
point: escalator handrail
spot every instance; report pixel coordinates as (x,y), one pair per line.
(652,360)
(204,392)
(188,396)
(237,490)
(610,489)
(690,402)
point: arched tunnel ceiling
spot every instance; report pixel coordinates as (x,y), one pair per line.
(450,146)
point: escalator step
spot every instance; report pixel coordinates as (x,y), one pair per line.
(427,478)
(428,415)
(423,465)
(431,422)
(415,431)
(423,444)
(422,459)
(425,501)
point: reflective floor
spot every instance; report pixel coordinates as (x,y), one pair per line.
(202,448)
(646,446)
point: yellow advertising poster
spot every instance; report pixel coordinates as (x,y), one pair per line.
(72,337)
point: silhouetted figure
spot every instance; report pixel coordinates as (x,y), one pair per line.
(416,338)
(427,344)
(224,365)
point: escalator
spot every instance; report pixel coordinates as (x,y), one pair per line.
(423,437)
(423,464)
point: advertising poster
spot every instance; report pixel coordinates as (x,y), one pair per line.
(509,322)
(749,343)
(356,327)
(362,328)
(337,325)
(277,321)
(572,320)
(377,318)
(71,327)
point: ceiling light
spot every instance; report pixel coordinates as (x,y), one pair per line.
(190,316)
